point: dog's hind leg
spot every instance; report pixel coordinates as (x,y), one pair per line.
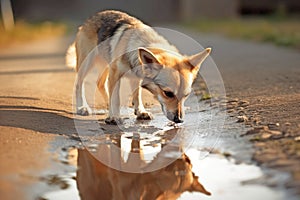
(85,62)
(139,109)
(101,84)
(82,107)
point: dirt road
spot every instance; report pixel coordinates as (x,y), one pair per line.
(36,104)
(32,103)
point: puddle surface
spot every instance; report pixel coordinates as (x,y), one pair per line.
(156,160)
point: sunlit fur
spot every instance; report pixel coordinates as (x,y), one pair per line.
(176,76)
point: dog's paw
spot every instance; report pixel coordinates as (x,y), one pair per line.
(113,120)
(144,116)
(84,111)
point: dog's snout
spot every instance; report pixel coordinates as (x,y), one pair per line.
(177,119)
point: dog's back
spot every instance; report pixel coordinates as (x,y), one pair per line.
(96,29)
(111,28)
(103,25)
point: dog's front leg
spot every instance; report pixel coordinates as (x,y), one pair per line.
(114,98)
(139,109)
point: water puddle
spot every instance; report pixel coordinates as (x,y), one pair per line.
(158,160)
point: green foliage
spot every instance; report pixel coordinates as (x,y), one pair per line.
(24,32)
(280,31)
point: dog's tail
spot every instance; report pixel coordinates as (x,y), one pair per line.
(71,59)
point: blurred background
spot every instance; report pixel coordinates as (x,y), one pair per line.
(260,20)
(150,11)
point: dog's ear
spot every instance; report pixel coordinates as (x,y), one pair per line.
(198,187)
(150,65)
(197,59)
(146,56)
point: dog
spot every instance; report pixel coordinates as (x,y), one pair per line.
(125,44)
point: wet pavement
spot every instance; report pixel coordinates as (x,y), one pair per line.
(189,161)
(208,166)
(48,153)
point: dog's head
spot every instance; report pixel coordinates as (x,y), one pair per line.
(169,76)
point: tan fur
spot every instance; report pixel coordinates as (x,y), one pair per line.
(125,45)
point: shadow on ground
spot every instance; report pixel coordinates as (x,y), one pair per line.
(37,119)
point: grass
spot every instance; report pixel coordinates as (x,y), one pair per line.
(24,32)
(279,31)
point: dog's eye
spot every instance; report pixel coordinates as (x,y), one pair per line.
(169,94)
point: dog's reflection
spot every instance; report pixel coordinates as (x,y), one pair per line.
(98,181)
